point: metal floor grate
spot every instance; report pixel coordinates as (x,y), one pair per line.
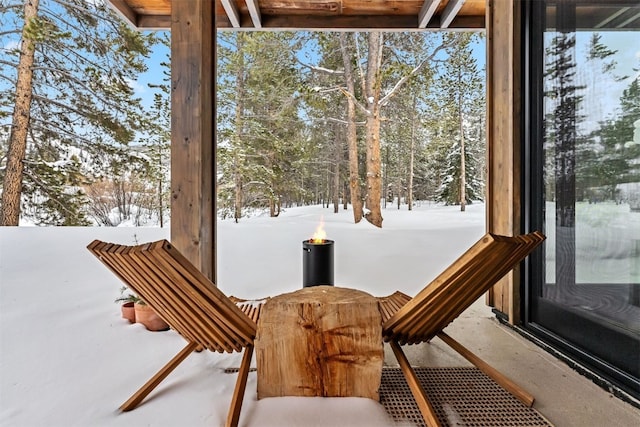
(460,396)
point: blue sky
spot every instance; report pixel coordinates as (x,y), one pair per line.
(154,74)
(160,53)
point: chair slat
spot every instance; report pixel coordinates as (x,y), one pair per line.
(225,307)
(180,294)
(192,315)
(219,330)
(462,283)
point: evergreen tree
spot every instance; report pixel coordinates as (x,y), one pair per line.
(285,127)
(460,103)
(618,156)
(599,164)
(68,80)
(268,146)
(564,96)
(157,147)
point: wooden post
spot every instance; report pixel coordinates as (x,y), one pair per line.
(320,341)
(192,138)
(504,125)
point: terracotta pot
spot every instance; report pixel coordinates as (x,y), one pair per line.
(128,312)
(149,318)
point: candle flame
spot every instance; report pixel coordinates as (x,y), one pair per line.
(320,236)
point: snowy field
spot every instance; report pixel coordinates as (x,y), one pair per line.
(68,359)
(607,243)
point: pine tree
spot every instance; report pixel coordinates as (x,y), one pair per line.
(564,94)
(617,159)
(157,148)
(69,83)
(263,139)
(461,105)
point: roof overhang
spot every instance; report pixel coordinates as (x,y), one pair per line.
(352,15)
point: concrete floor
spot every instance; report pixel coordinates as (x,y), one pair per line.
(563,396)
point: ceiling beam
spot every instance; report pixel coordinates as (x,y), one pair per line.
(429,8)
(254,12)
(232,12)
(350,23)
(154,22)
(628,21)
(123,9)
(611,17)
(450,11)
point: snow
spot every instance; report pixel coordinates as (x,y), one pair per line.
(67,358)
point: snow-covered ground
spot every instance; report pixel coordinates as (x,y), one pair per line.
(68,359)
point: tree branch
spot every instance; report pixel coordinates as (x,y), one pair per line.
(358,61)
(45,189)
(343,122)
(321,69)
(413,72)
(355,101)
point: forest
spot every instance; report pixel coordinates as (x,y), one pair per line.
(360,119)
(368,120)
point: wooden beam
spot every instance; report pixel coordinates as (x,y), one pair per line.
(154,22)
(429,8)
(123,9)
(611,17)
(450,11)
(193,218)
(351,23)
(628,21)
(504,141)
(232,12)
(254,12)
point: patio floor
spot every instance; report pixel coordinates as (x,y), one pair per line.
(563,396)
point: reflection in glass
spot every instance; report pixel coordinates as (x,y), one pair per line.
(592,161)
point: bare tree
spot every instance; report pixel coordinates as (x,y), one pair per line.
(352,137)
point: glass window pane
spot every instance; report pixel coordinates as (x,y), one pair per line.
(592,160)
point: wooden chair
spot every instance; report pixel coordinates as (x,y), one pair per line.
(189,303)
(414,320)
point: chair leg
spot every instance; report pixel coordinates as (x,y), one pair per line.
(428,413)
(157,378)
(241,383)
(490,371)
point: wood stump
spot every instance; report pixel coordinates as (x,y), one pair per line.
(320,341)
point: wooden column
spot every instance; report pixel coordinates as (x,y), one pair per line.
(504,140)
(192,137)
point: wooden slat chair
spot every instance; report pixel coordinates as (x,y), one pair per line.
(414,320)
(190,303)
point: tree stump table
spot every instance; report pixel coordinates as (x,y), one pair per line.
(320,341)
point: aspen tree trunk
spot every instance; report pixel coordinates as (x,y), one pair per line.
(160,205)
(237,179)
(372,89)
(352,140)
(399,190)
(344,199)
(463,172)
(336,171)
(12,185)
(237,161)
(412,154)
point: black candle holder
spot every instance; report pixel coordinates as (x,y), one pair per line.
(317,263)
